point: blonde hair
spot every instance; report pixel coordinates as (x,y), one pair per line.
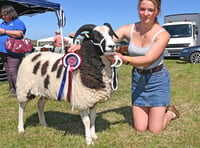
(157,4)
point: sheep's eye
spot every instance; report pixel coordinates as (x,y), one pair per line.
(97,37)
(110,33)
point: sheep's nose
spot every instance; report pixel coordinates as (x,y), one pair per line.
(112,46)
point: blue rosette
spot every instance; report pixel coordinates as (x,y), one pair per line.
(71,59)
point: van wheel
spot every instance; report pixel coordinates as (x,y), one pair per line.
(195,57)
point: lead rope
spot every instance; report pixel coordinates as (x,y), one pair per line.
(114,66)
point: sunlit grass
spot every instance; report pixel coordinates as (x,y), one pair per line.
(114,121)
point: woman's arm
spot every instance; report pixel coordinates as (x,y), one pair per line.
(153,54)
(14,33)
(122,33)
(74,48)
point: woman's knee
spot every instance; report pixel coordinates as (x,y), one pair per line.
(155,130)
(140,118)
(140,128)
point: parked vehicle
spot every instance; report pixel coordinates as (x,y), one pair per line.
(184,30)
(191,54)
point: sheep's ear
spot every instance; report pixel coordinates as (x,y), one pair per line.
(111,30)
(88,27)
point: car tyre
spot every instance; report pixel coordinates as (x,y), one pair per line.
(195,57)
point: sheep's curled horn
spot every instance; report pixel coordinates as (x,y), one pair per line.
(87,27)
(90,27)
(111,30)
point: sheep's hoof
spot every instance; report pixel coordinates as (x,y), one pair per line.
(44,124)
(90,142)
(21,133)
(94,137)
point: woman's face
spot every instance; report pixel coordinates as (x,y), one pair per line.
(6,17)
(147,12)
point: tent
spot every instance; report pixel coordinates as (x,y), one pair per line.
(32,7)
(24,7)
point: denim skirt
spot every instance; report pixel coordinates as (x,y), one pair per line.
(151,90)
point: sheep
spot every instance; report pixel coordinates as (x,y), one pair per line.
(41,73)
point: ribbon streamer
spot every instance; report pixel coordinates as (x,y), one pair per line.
(69,85)
(62,84)
(71,61)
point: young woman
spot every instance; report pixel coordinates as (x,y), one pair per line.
(150,78)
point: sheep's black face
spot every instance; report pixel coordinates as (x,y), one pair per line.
(98,41)
(101,37)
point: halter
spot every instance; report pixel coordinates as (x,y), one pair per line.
(117,64)
(99,44)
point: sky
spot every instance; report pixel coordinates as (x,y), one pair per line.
(115,12)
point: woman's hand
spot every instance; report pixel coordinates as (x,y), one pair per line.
(112,57)
(74,48)
(2,31)
(119,55)
(123,49)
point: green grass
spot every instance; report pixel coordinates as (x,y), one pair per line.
(113,123)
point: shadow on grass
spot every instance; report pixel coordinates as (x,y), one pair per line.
(178,61)
(182,62)
(72,123)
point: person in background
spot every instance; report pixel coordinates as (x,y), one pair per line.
(151,107)
(71,36)
(70,42)
(57,42)
(11,26)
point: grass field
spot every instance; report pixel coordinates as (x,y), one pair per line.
(113,123)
